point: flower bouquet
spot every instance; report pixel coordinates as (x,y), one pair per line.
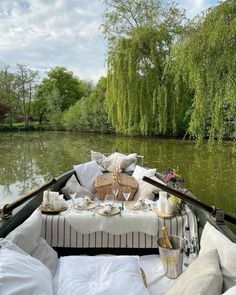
(172,177)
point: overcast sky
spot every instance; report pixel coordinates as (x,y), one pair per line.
(49,33)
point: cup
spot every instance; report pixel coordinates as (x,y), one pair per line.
(162,201)
(57,204)
(168,207)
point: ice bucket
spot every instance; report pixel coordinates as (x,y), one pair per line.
(172,259)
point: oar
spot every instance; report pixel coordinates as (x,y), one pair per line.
(211,209)
(8,208)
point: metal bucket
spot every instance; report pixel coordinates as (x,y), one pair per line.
(172,259)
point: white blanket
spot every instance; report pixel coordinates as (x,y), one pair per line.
(99,275)
(157,282)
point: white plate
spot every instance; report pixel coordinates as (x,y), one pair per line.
(114,211)
(90,206)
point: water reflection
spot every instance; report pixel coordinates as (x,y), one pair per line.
(29,159)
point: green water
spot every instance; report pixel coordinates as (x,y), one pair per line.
(28,159)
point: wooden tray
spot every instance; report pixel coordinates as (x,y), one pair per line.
(90,206)
(51,211)
(163,215)
(114,211)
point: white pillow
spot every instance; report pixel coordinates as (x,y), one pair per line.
(27,237)
(124,161)
(109,275)
(87,174)
(131,167)
(147,190)
(231,291)
(23,274)
(212,238)
(202,277)
(27,234)
(46,254)
(139,172)
(73,186)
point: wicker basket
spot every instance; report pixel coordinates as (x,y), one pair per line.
(103,184)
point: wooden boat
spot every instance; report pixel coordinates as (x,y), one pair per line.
(13,215)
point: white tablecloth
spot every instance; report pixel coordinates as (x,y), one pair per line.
(86,222)
(128,230)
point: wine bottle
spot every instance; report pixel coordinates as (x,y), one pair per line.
(165,238)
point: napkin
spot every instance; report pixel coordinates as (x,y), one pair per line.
(83,202)
(107,209)
(139,204)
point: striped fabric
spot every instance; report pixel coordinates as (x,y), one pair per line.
(59,233)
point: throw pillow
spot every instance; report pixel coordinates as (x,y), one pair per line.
(27,237)
(202,277)
(23,274)
(212,238)
(46,254)
(139,172)
(109,275)
(125,162)
(27,234)
(73,186)
(87,174)
(146,190)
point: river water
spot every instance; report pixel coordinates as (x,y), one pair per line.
(28,159)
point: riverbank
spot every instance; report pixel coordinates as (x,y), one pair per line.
(21,127)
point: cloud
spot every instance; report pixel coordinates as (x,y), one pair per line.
(195,7)
(47,33)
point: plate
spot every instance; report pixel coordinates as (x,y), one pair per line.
(114,211)
(131,206)
(90,206)
(163,215)
(52,211)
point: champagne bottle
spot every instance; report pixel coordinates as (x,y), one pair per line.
(165,239)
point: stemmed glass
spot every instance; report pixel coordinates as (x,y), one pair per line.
(109,199)
(115,189)
(126,193)
(72,196)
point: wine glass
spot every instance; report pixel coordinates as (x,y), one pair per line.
(115,189)
(126,193)
(72,196)
(109,199)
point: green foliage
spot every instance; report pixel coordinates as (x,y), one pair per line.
(8,95)
(56,93)
(206,59)
(164,78)
(140,97)
(89,114)
(25,88)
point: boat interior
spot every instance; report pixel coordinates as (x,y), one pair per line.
(89,250)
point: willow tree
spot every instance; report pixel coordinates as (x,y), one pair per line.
(206,59)
(139,94)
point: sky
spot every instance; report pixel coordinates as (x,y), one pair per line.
(48,33)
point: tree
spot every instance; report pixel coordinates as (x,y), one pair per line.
(206,61)
(89,113)
(139,97)
(7,94)
(70,88)
(26,84)
(122,16)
